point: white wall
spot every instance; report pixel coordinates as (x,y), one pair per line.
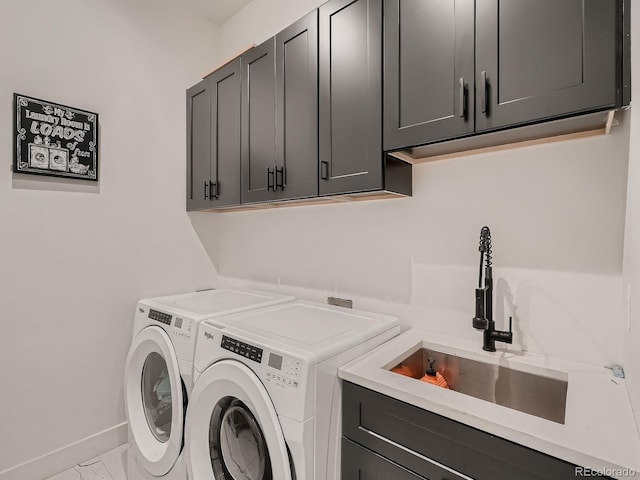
(556,212)
(632,235)
(75,258)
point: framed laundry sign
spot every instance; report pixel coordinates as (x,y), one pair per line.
(53,139)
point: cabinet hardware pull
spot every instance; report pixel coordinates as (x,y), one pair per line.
(213,193)
(324,170)
(206,184)
(485,96)
(270,180)
(463,99)
(280,185)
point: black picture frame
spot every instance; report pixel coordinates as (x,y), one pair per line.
(53,139)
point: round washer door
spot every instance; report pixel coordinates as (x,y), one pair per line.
(232,430)
(154,400)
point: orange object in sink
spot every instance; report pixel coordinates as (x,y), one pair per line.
(436,379)
(403,370)
(433,377)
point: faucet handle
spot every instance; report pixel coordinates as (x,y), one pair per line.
(507,337)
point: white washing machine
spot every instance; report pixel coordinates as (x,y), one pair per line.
(266,402)
(159,374)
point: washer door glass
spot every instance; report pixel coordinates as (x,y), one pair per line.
(237,446)
(156,396)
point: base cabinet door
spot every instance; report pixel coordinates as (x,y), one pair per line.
(358,463)
(435,447)
(350,100)
(537,59)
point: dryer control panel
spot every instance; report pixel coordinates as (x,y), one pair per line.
(181,326)
(160,316)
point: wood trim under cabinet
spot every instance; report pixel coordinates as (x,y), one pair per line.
(591,125)
(383,195)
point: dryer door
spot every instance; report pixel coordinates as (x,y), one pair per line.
(154,400)
(232,430)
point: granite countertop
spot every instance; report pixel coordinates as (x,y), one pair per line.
(599,432)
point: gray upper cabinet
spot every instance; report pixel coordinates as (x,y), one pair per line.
(296,170)
(198,145)
(259,123)
(350,103)
(213,140)
(280,115)
(453,69)
(538,59)
(429,71)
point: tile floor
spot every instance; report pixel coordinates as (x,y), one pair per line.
(111,465)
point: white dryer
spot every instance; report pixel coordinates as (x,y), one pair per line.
(266,402)
(159,374)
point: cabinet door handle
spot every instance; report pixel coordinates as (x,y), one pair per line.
(485,97)
(324,170)
(463,98)
(270,180)
(280,185)
(206,190)
(213,193)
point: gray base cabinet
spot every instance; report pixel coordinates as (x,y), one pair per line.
(362,464)
(383,434)
(213,140)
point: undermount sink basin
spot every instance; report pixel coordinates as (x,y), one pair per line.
(543,395)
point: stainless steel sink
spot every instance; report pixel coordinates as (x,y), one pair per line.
(544,396)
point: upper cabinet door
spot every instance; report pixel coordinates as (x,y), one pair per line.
(297,107)
(259,123)
(199,145)
(226,93)
(428,71)
(350,96)
(538,59)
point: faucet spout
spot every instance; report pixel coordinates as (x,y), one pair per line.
(483,319)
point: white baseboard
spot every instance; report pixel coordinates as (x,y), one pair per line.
(66,457)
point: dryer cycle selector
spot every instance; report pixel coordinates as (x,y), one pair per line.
(160,316)
(236,346)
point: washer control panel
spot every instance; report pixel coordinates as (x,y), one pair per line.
(284,371)
(236,346)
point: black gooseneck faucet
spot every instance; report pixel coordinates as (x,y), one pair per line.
(484,299)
